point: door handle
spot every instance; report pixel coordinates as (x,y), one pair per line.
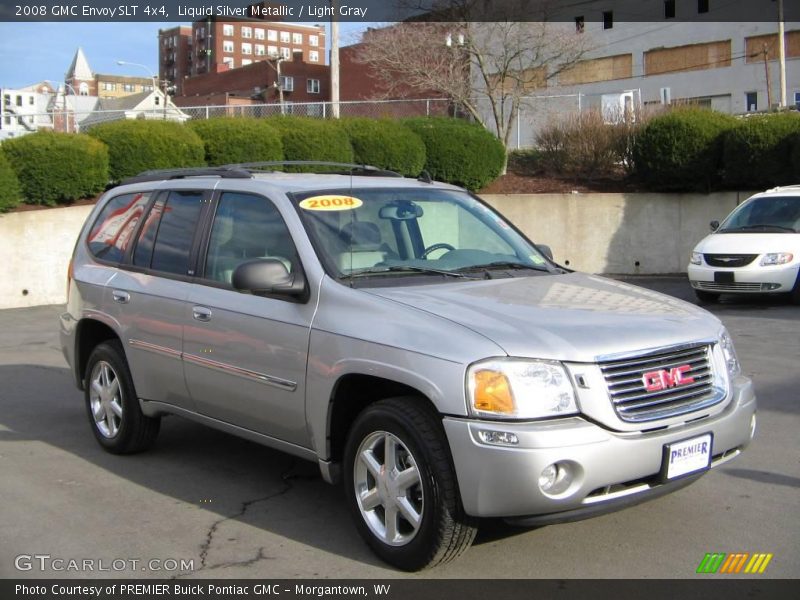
(120,296)
(201,313)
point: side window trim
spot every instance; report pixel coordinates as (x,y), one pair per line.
(127,260)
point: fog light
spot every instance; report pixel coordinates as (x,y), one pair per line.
(548,477)
(556,479)
(498,438)
(753,426)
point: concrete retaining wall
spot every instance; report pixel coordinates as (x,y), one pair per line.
(596,233)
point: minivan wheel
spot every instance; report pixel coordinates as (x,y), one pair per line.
(401,488)
(117,421)
(706,297)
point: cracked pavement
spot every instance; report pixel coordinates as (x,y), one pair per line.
(239,510)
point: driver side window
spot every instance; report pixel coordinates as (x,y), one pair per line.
(246,227)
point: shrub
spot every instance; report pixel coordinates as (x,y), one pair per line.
(140,145)
(459,152)
(312,139)
(386,144)
(58,167)
(238,140)
(10,190)
(795,157)
(681,150)
(757,153)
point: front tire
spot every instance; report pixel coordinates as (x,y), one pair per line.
(116,419)
(706,297)
(401,487)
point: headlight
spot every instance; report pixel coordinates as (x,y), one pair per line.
(696,259)
(729,353)
(776,258)
(519,389)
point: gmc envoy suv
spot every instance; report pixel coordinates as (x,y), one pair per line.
(402,334)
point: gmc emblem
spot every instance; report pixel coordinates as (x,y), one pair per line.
(655,381)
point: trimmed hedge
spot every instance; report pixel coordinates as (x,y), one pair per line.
(304,138)
(459,152)
(10,190)
(795,157)
(681,150)
(140,145)
(386,144)
(58,167)
(757,153)
(238,140)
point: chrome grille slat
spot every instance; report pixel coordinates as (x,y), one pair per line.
(632,401)
(729,260)
(721,287)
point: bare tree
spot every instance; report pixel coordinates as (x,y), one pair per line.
(486,67)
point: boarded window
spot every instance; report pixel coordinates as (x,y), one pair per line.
(755,46)
(694,57)
(598,69)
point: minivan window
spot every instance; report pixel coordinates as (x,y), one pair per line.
(246,227)
(115,225)
(773,214)
(173,241)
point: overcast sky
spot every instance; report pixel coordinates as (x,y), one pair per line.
(32,52)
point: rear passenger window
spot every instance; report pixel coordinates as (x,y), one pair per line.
(111,233)
(165,244)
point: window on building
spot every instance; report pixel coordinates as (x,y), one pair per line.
(246,61)
(7,99)
(312,86)
(313,41)
(201,32)
(751,101)
(247,48)
(111,233)
(227,30)
(272,35)
(313,56)
(83,89)
(128,87)
(669,9)
(7,120)
(297,38)
(285,37)
(259,33)
(260,50)
(580,24)
(31,100)
(287,83)
(702,6)
(247,32)
(19,100)
(227,46)
(272,51)
(608,19)
(109,87)
(285,53)
(228,60)
(797,100)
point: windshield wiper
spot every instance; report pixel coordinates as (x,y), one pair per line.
(760,226)
(408,269)
(502,264)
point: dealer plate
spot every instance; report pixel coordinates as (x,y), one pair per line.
(687,456)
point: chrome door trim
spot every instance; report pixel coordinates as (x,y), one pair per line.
(163,350)
(277,382)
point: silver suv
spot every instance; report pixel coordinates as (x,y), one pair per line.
(403,335)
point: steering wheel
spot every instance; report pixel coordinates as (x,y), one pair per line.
(434,247)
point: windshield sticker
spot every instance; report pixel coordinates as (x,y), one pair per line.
(536,259)
(333,202)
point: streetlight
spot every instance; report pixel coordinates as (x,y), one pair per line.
(278,60)
(155,83)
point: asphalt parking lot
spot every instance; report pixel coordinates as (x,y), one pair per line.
(236,509)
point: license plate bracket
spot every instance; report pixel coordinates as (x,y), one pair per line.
(687,457)
(724,277)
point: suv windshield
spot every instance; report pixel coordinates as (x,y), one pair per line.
(771,214)
(390,233)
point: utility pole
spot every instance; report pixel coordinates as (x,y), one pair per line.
(334,61)
(769,80)
(782,53)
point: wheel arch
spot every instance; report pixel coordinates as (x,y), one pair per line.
(90,333)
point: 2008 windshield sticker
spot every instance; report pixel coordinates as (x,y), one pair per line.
(332,202)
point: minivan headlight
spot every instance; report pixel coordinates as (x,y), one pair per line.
(776,258)
(519,389)
(696,259)
(729,353)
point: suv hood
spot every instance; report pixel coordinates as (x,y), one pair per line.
(572,317)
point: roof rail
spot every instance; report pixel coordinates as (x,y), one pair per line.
(346,168)
(224,172)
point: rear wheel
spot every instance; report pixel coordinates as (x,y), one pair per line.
(117,420)
(401,487)
(706,297)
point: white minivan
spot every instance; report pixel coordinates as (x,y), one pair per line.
(756,249)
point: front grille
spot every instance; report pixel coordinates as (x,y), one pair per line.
(633,402)
(731,287)
(729,260)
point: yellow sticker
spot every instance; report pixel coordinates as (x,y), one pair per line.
(332,202)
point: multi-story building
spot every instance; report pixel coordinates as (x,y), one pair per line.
(82,81)
(213,45)
(24,110)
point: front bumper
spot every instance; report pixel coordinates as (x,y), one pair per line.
(610,469)
(751,279)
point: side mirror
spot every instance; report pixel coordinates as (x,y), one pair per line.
(714,225)
(546,250)
(268,276)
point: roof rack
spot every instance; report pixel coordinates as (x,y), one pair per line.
(224,172)
(346,168)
